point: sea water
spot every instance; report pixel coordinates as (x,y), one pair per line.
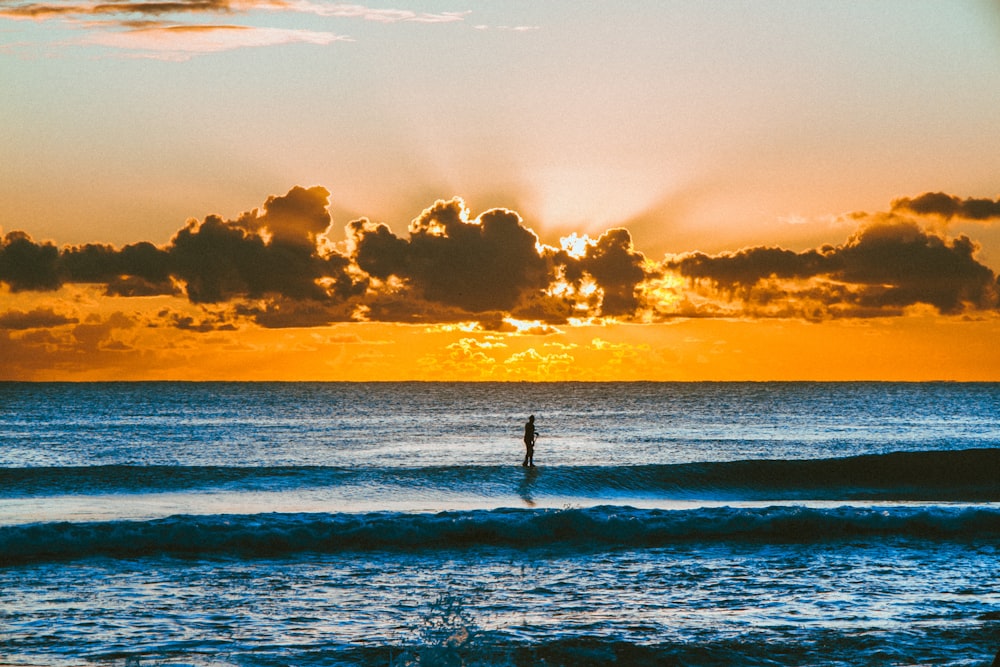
(392,524)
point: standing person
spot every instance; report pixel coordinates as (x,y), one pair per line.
(529,442)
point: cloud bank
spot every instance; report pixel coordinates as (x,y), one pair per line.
(276,266)
(884,268)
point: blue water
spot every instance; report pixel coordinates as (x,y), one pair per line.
(218,524)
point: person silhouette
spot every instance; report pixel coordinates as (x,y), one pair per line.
(530,434)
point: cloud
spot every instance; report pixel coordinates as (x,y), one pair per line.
(161,29)
(99,334)
(480,265)
(25,265)
(39,318)
(948,206)
(271,254)
(749,266)
(346,339)
(279,312)
(900,264)
(342,10)
(297,218)
(494,265)
(615,267)
(208,321)
(531,361)
(262,253)
(470,348)
(177,30)
(512,325)
(508,28)
(128,9)
(139,269)
(180,42)
(48,10)
(887,266)
(275,266)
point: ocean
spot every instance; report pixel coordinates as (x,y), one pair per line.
(391,524)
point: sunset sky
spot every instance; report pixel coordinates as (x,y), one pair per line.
(515,190)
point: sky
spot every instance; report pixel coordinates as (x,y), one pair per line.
(518,190)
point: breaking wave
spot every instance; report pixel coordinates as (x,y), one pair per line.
(267,535)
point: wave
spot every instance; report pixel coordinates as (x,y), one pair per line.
(264,535)
(963,475)
(760,649)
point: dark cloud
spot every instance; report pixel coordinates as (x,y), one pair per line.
(749,266)
(208,321)
(268,253)
(280,255)
(158,8)
(948,206)
(900,264)
(26,265)
(378,251)
(297,218)
(140,269)
(554,309)
(615,266)
(407,304)
(138,286)
(263,252)
(449,269)
(493,266)
(282,313)
(39,318)
(491,263)
(219,261)
(887,266)
(276,267)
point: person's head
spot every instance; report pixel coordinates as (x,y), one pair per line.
(531,418)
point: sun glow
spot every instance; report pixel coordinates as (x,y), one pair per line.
(529,326)
(464,327)
(523,326)
(575,245)
(586,288)
(595,196)
(663,294)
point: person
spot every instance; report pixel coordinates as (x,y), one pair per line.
(530,434)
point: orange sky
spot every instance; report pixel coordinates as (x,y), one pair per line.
(269,295)
(508,191)
(923,346)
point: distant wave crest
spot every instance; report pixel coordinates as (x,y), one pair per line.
(964,475)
